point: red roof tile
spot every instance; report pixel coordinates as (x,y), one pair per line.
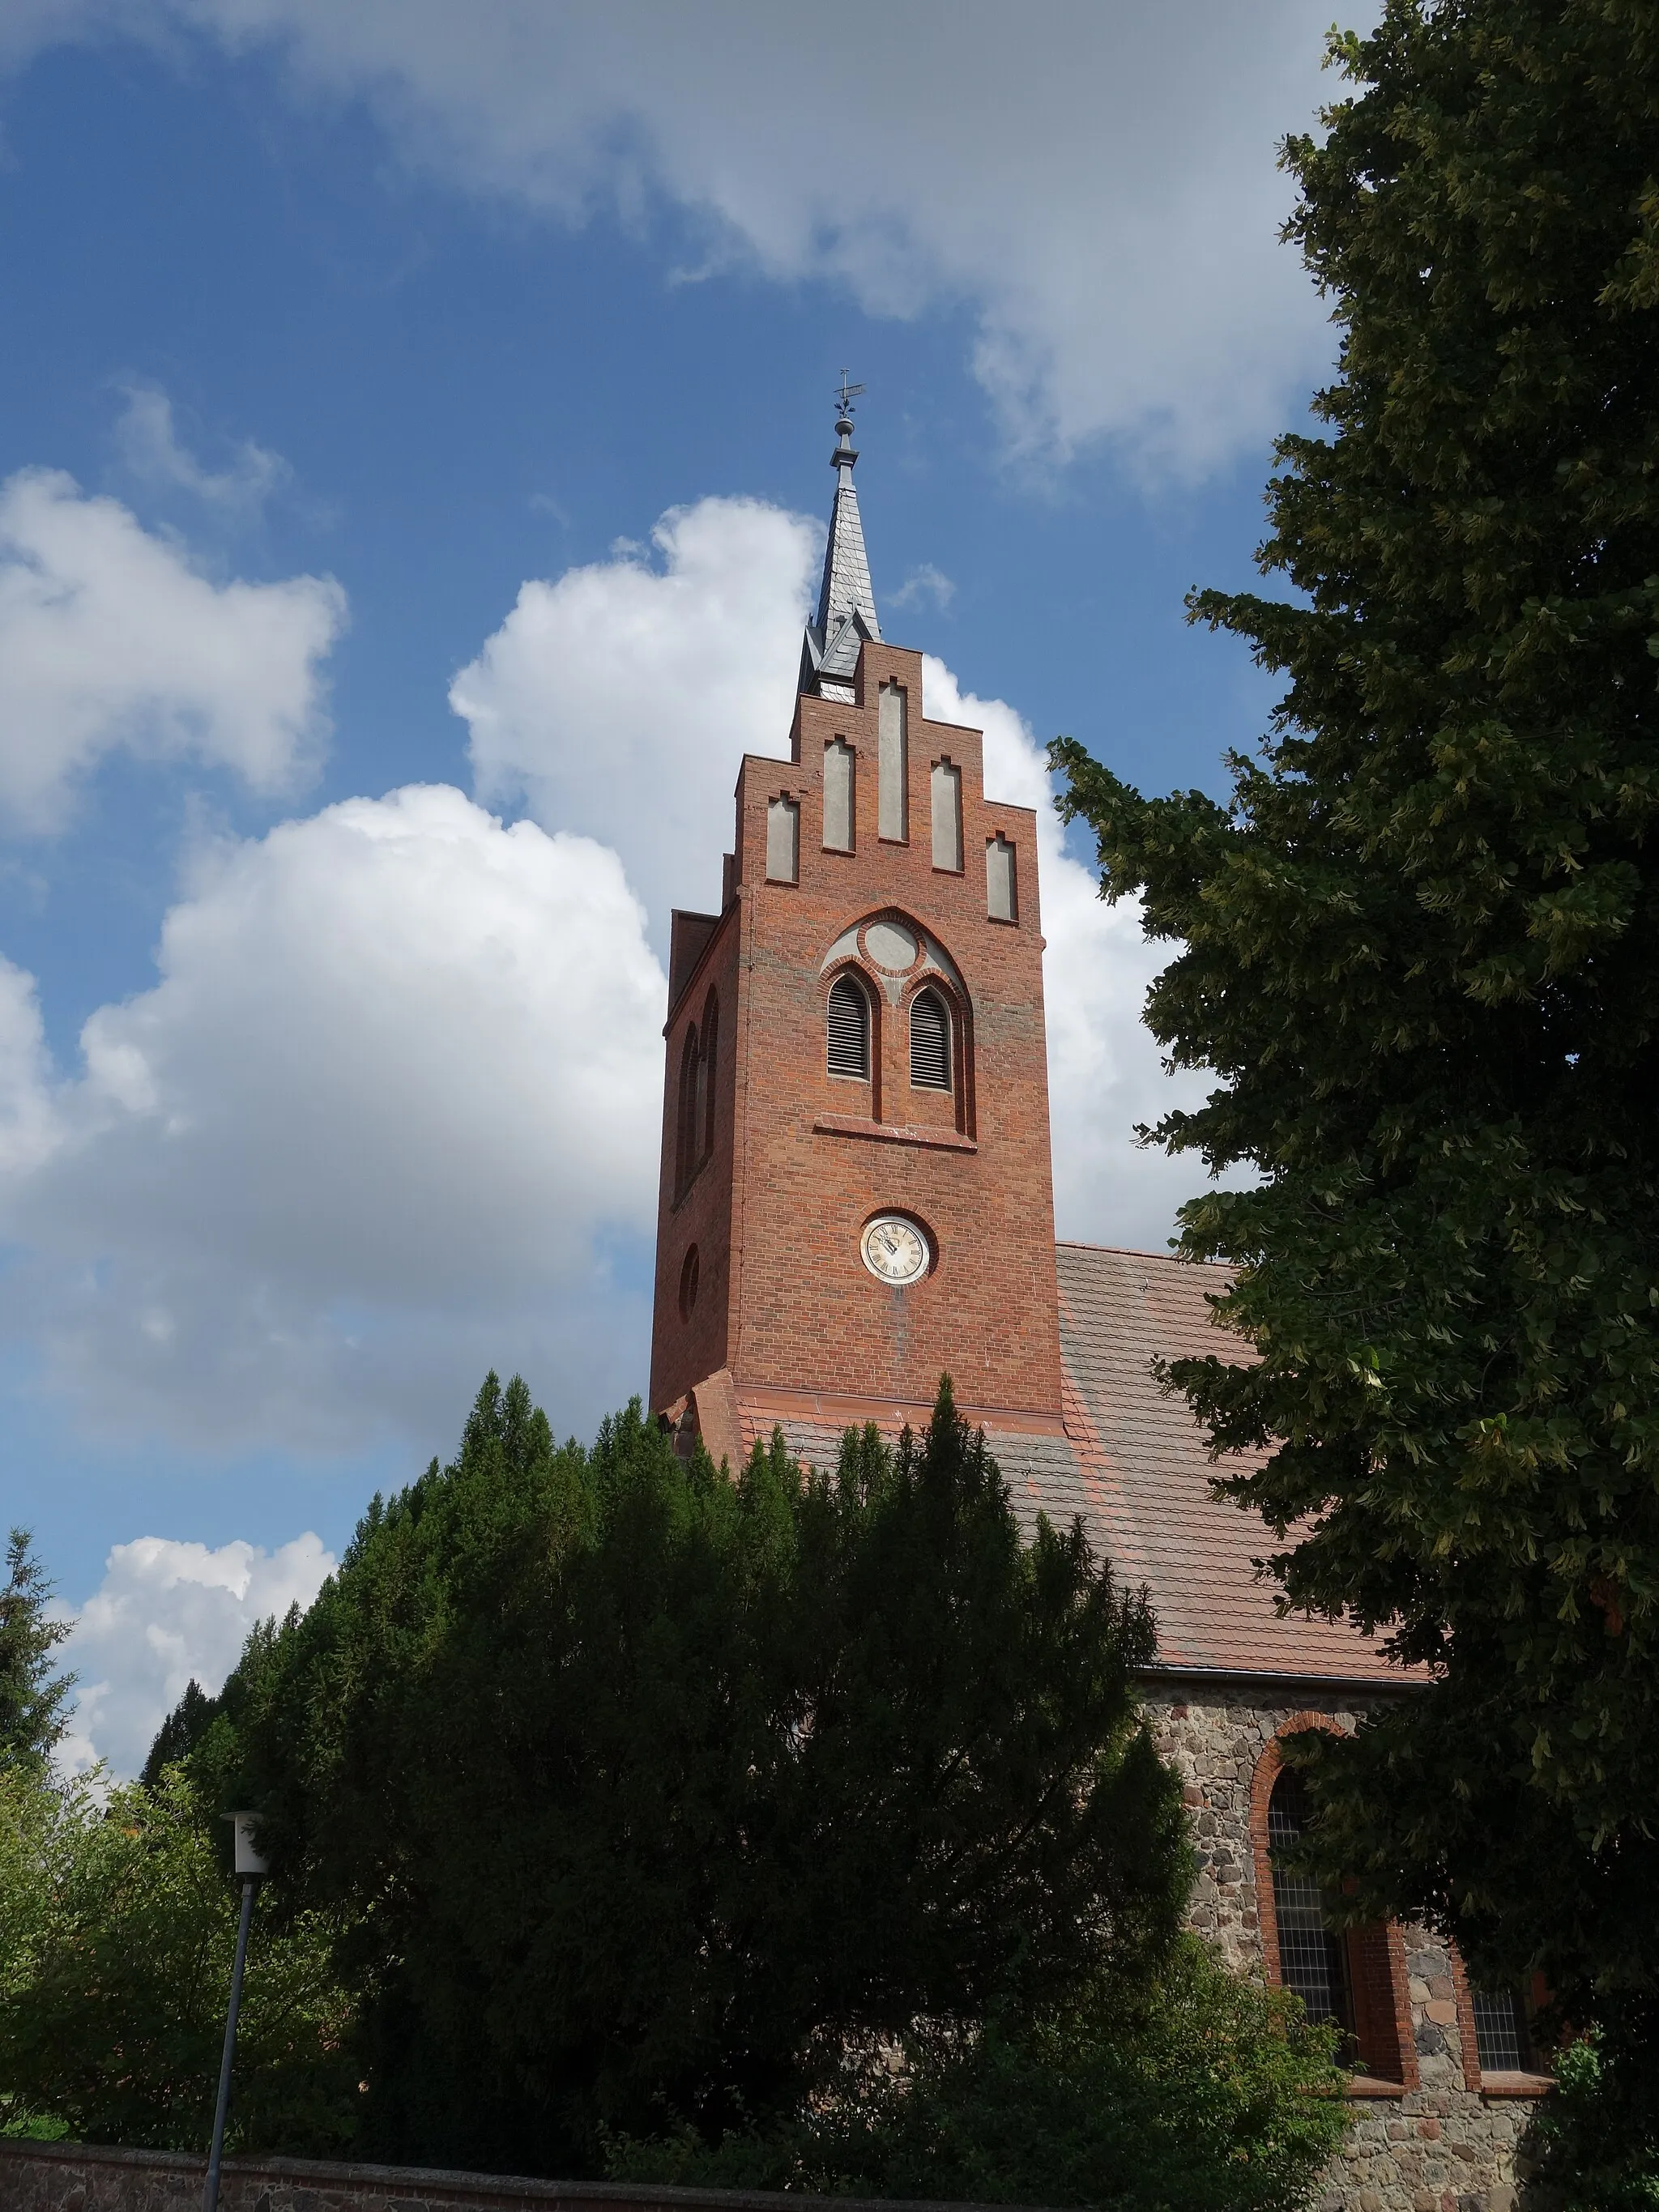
(1132,1466)
(1147,1472)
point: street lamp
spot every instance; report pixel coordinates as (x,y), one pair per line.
(250,1864)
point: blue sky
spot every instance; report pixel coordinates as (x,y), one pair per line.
(439,398)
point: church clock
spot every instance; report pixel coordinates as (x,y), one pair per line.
(895,1250)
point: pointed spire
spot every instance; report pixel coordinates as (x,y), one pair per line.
(847,604)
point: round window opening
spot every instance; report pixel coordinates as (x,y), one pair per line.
(895,1249)
(690,1269)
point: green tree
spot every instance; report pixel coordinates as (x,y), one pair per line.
(118,1924)
(181,1732)
(1200,2092)
(31,1696)
(652,1791)
(1598,2136)
(1420,949)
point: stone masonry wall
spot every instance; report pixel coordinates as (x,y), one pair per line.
(1448,2139)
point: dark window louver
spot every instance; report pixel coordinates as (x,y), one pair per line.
(849,1030)
(930,1043)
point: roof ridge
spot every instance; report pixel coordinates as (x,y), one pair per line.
(1133,1252)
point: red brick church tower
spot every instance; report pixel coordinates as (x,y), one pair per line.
(856,1192)
(856,1196)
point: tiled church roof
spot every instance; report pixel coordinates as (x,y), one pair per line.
(1147,1474)
(1132,1465)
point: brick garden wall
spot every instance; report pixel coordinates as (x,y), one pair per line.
(78,2177)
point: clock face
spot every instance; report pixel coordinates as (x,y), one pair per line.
(895,1250)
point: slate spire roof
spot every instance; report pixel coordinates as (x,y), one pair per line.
(846,603)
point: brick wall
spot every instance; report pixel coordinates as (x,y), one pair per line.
(76,2178)
(802,1158)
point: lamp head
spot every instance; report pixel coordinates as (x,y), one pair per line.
(248,1860)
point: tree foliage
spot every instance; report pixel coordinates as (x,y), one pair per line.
(649,1792)
(1598,2136)
(1420,948)
(181,1732)
(1199,2093)
(118,1926)
(31,1696)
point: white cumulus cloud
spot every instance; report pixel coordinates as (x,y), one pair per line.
(1094,180)
(1105,1073)
(619,699)
(109,638)
(390,1113)
(166,1613)
(387,1118)
(27,1131)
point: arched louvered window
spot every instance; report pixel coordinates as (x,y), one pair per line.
(706,1057)
(686,1155)
(849,1030)
(930,1042)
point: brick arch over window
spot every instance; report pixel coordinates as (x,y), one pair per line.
(1373,1959)
(934,961)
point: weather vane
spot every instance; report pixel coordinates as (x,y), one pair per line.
(848,393)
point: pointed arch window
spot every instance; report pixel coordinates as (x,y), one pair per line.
(930,1041)
(708,1054)
(1312,1957)
(1353,1976)
(848,1029)
(685,1118)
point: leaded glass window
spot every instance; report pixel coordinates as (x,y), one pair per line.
(1500,2032)
(1313,1958)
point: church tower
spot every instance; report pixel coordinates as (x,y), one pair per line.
(856,1192)
(856,1196)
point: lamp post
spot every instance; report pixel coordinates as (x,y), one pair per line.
(250,1864)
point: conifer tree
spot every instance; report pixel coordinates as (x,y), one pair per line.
(179,1733)
(646,1793)
(31,1698)
(1420,950)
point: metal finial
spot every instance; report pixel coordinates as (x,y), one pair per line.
(844,457)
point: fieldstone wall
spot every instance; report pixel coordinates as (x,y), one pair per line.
(1452,2142)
